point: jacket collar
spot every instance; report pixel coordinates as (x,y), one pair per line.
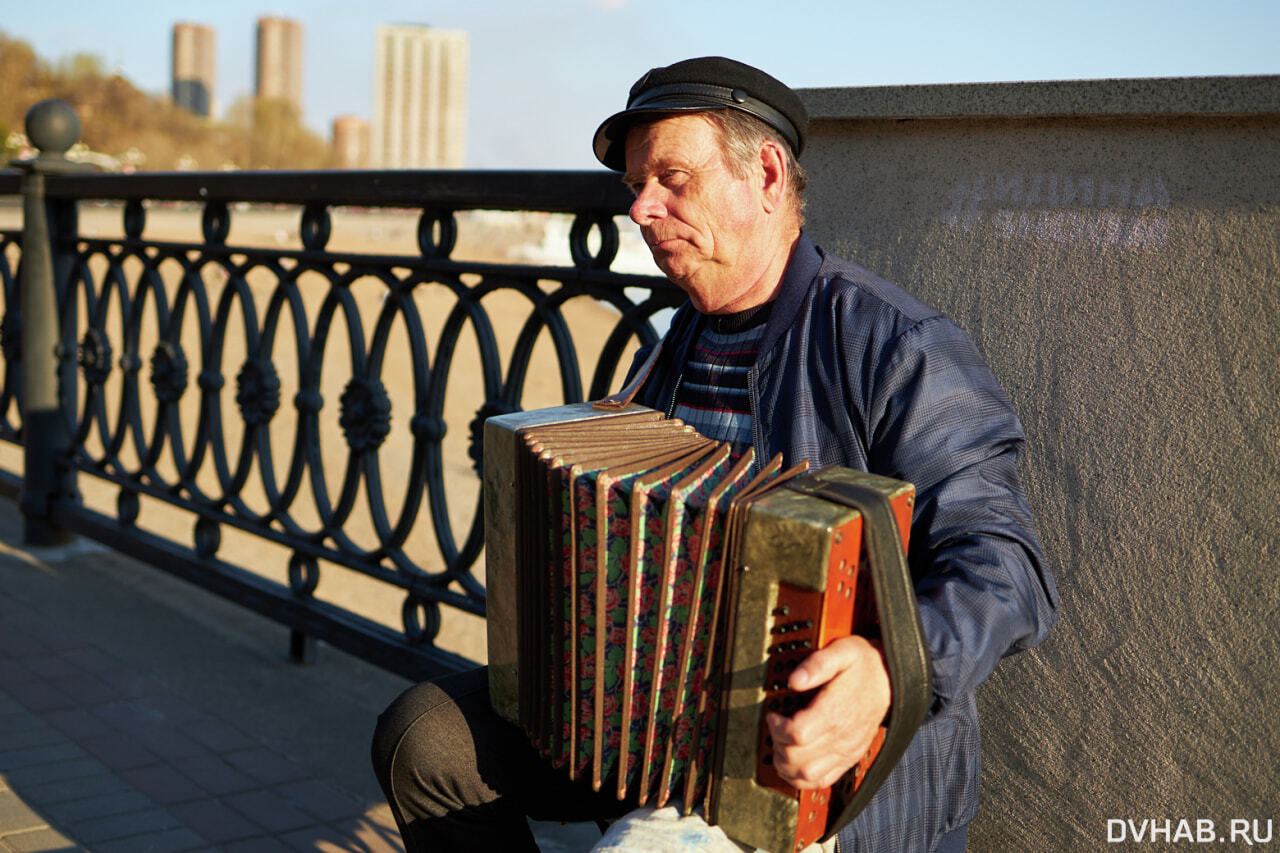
(802,269)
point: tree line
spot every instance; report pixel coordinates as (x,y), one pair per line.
(140,131)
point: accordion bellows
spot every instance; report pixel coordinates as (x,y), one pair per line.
(648,596)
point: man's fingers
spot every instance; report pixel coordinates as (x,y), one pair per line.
(816,745)
(823,665)
(806,765)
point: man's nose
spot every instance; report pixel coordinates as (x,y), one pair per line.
(647,207)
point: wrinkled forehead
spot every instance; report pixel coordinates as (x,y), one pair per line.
(684,136)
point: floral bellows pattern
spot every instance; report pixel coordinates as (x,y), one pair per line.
(631,564)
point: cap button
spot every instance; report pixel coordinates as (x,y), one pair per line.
(739,96)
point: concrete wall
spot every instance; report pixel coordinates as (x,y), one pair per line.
(1114,249)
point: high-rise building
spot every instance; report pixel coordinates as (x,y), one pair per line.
(351,142)
(419,98)
(193,67)
(278,71)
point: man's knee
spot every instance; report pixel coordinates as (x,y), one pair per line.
(425,735)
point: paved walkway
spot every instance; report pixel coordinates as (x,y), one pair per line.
(138,713)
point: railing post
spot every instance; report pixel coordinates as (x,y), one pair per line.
(52,127)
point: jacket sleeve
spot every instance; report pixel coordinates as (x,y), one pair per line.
(939,420)
(638,359)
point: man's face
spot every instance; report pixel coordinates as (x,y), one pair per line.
(701,223)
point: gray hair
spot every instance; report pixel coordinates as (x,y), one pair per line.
(741,135)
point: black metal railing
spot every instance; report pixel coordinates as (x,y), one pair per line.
(297,397)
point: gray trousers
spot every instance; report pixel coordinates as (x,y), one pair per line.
(458,777)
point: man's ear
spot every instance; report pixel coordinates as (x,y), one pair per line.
(774,174)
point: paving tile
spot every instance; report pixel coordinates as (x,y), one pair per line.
(116,802)
(172,744)
(216,776)
(37,774)
(269,768)
(18,644)
(54,635)
(88,689)
(10,706)
(370,837)
(221,736)
(35,756)
(129,716)
(92,659)
(215,821)
(166,706)
(380,815)
(263,844)
(166,841)
(77,723)
(65,790)
(40,696)
(15,672)
(119,752)
(15,717)
(17,816)
(55,667)
(321,799)
(94,831)
(269,810)
(39,841)
(322,838)
(34,733)
(164,784)
(125,679)
(130,684)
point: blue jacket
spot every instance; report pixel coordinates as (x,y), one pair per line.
(854,371)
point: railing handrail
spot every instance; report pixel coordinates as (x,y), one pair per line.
(598,192)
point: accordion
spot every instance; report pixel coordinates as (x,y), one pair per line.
(649,595)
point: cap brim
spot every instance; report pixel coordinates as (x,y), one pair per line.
(610,143)
(611,137)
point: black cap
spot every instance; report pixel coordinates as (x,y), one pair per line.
(699,85)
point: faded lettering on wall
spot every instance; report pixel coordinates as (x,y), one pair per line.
(1093,210)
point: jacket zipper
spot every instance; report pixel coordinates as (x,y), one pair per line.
(675,389)
(755,416)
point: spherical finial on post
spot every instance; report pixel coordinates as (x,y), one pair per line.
(52,126)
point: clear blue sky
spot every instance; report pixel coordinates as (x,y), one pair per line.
(545,72)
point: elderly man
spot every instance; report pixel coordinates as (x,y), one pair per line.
(794,351)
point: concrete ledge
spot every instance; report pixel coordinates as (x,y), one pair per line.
(1219,96)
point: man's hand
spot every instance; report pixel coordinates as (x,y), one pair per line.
(814,748)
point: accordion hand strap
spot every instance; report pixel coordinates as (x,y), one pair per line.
(623,397)
(905,648)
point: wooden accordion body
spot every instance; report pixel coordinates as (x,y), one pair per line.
(648,598)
